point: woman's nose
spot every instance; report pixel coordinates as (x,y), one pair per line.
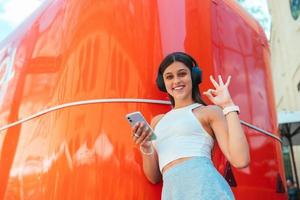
(177,79)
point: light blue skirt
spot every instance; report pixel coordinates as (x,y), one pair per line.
(194,179)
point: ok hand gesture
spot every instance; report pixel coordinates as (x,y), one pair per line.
(220,95)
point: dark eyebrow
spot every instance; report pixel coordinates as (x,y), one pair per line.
(167,73)
(182,70)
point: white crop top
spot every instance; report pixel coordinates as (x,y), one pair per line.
(180,134)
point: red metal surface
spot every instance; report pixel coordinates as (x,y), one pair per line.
(79,50)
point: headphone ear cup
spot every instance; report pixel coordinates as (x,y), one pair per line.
(160,83)
(196,75)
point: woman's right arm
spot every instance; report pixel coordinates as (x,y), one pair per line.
(150,157)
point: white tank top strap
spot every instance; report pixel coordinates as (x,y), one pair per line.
(195,105)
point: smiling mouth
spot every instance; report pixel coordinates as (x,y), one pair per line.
(180,87)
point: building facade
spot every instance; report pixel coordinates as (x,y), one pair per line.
(285,58)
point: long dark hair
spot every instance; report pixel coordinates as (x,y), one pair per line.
(188,61)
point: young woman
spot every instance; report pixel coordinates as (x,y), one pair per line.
(181,155)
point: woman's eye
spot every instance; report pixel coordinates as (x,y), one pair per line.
(169,77)
(182,74)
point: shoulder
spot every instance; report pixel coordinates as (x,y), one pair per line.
(211,111)
(155,120)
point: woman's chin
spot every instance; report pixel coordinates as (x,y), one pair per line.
(179,96)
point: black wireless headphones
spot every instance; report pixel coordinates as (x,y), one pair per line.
(188,60)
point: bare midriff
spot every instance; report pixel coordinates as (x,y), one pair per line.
(173,163)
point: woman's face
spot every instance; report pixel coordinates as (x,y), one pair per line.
(178,82)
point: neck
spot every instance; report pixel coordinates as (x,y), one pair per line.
(180,104)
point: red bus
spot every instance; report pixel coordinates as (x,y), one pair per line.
(73,70)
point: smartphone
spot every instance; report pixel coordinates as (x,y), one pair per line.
(135,117)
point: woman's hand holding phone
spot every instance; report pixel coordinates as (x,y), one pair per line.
(141,135)
(142,132)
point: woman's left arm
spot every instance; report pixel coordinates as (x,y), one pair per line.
(227,129)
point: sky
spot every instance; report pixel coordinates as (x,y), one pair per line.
(259,10)
(13,12)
